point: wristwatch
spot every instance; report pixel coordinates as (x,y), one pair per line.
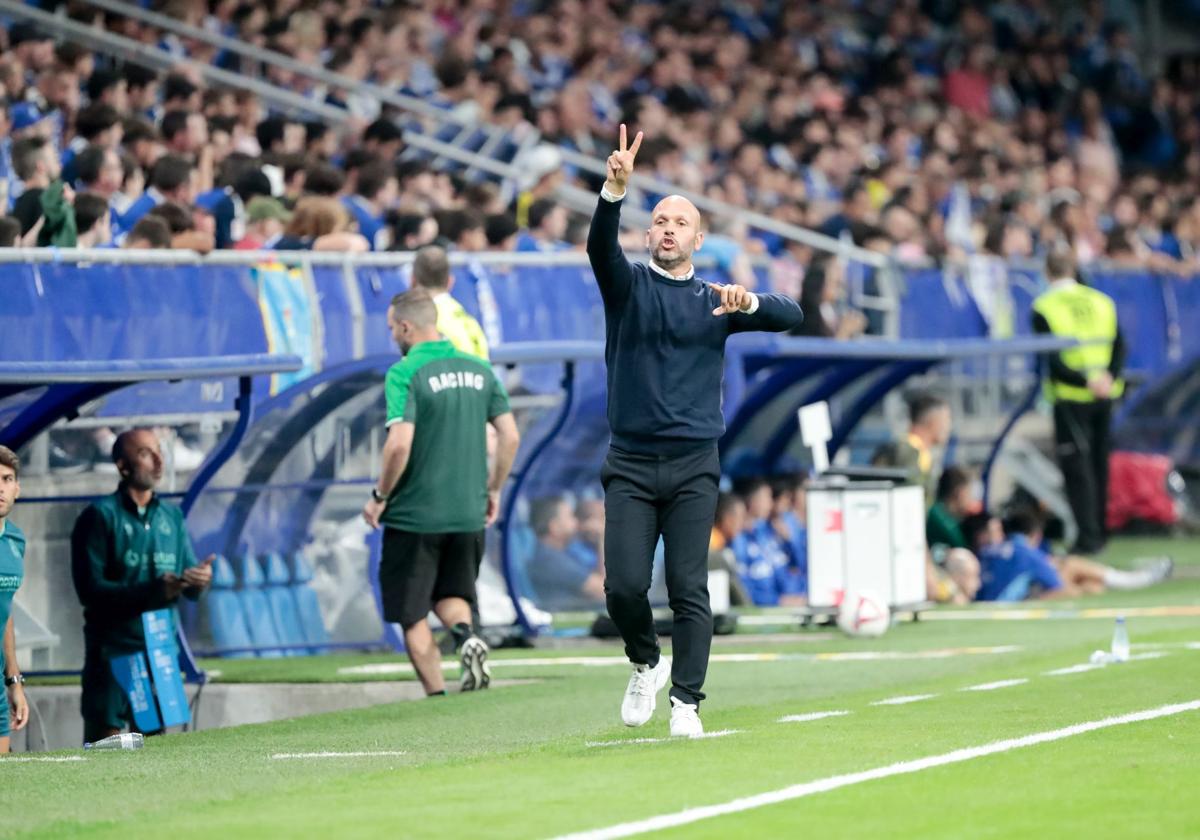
(15,679)
(377,496)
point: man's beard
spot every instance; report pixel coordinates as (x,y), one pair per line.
(669,261)
(142,480)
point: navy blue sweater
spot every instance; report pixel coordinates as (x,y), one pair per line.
(664,348)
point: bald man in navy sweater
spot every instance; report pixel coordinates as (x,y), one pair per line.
(665,332)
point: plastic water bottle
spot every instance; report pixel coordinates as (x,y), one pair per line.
(1120,642)
(121,741)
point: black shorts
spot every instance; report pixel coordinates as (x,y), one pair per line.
(418,570)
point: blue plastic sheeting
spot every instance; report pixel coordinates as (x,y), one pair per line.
(1184,292)
(64,311)
(937,304)
(1142,315)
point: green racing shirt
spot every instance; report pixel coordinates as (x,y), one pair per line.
(449,396)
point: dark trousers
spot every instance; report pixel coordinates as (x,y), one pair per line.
(1081,434)
(675,497)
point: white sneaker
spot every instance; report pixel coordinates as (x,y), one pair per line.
(644,683)
(685,720)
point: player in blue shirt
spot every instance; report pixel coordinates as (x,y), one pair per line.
(789,495)
(1019,568)
(15,709)
(763,559)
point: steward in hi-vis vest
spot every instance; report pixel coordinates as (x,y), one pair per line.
(1082,382)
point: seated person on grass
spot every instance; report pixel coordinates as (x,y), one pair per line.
(1016,569)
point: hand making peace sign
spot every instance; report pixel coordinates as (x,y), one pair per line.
(620,162)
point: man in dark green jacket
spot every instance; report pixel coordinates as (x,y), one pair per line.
(130,554)
(46,207)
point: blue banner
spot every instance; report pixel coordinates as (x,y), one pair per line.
(164,666)
(132,675)
(287,316)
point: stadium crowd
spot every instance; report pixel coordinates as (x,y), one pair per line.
(919,128)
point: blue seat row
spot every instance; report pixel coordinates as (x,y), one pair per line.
(260,606)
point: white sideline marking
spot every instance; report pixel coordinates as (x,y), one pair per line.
(937,653)
(992,686)
(1153,654)
(720,733)
(1040,613)
(623,742)
(805,718)
(365,754)
(901,701)
(386,668)
(1074,669)
(9,758)
(1095,666)
(691,815)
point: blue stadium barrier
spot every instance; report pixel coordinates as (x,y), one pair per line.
(937,304)
(72,310)
(1183,298)
(1143,317)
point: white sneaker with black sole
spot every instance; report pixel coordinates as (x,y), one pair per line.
(476,675)
(685,720)
(641,693)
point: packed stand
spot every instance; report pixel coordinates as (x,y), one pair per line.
(924,129)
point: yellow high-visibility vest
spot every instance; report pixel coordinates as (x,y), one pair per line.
(1075,311)
(456,324)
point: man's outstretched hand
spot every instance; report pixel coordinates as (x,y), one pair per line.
(734,298)
(620,163)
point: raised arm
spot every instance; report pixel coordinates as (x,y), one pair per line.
(613,272)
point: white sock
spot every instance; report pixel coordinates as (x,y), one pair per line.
(1119,579)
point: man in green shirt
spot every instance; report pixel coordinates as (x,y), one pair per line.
(12,572)
(130,554)
(434,497)
(953,504)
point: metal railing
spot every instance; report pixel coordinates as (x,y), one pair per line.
(570,196)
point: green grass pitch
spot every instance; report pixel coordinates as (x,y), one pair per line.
(523,761)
